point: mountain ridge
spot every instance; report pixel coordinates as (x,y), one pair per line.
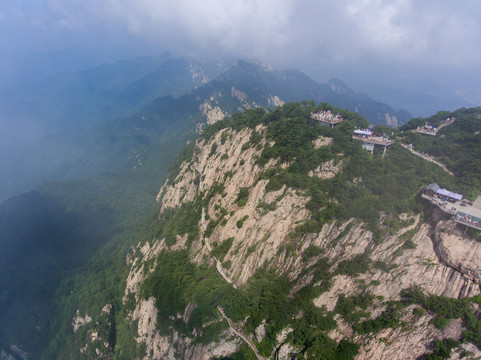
(378,193)
(78,100)
(238,199)
(302,87)
(87,151)
(347,232)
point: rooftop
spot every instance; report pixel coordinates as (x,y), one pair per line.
(434,187)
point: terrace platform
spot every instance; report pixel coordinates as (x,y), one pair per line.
(326,118)
(430,130)
(370,141)
(463,213)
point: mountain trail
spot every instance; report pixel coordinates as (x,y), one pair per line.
(221,271)
(218,264)
(239,334)
(427,157)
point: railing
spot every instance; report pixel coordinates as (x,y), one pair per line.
(478,227)
(457,217)
(468,219)
(374,140)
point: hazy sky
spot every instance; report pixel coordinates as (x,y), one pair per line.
(408,41)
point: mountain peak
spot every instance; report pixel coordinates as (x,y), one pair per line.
(264,82)
(251,65)
(339,86)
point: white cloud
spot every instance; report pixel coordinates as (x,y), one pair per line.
(385,41)
(246,26)
(417,31)
(279,31)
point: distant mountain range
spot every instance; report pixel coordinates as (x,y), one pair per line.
(294,85)
(76,100)
(85,112)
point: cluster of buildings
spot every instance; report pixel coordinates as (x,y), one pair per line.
(470,216)
(434,190)
(368,135)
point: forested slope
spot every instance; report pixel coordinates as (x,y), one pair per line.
(309,245)
(457,145)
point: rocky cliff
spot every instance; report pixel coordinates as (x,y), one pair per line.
(340,282)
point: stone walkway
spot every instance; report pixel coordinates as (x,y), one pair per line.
(218,264)
(239,334)
(427,157)
(433,133)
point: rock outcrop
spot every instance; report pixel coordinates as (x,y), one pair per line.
(257,223)
(457,251)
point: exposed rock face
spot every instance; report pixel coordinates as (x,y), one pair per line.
(213,167)
(407,343)
(459,253)
(16,354)
(239,95)
(391,120)
(441,261)
(5,356)
(275,100)
(466,350)
(79,321)
(97,335)
(157,346)
(413,267)
(327,170)
(137,273)
(169,347)
(423,266)
(198,74)
(272,226)
(212,113)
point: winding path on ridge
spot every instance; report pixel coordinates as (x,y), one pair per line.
(218,264)
(417,153)
(221,271)
(239,334)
